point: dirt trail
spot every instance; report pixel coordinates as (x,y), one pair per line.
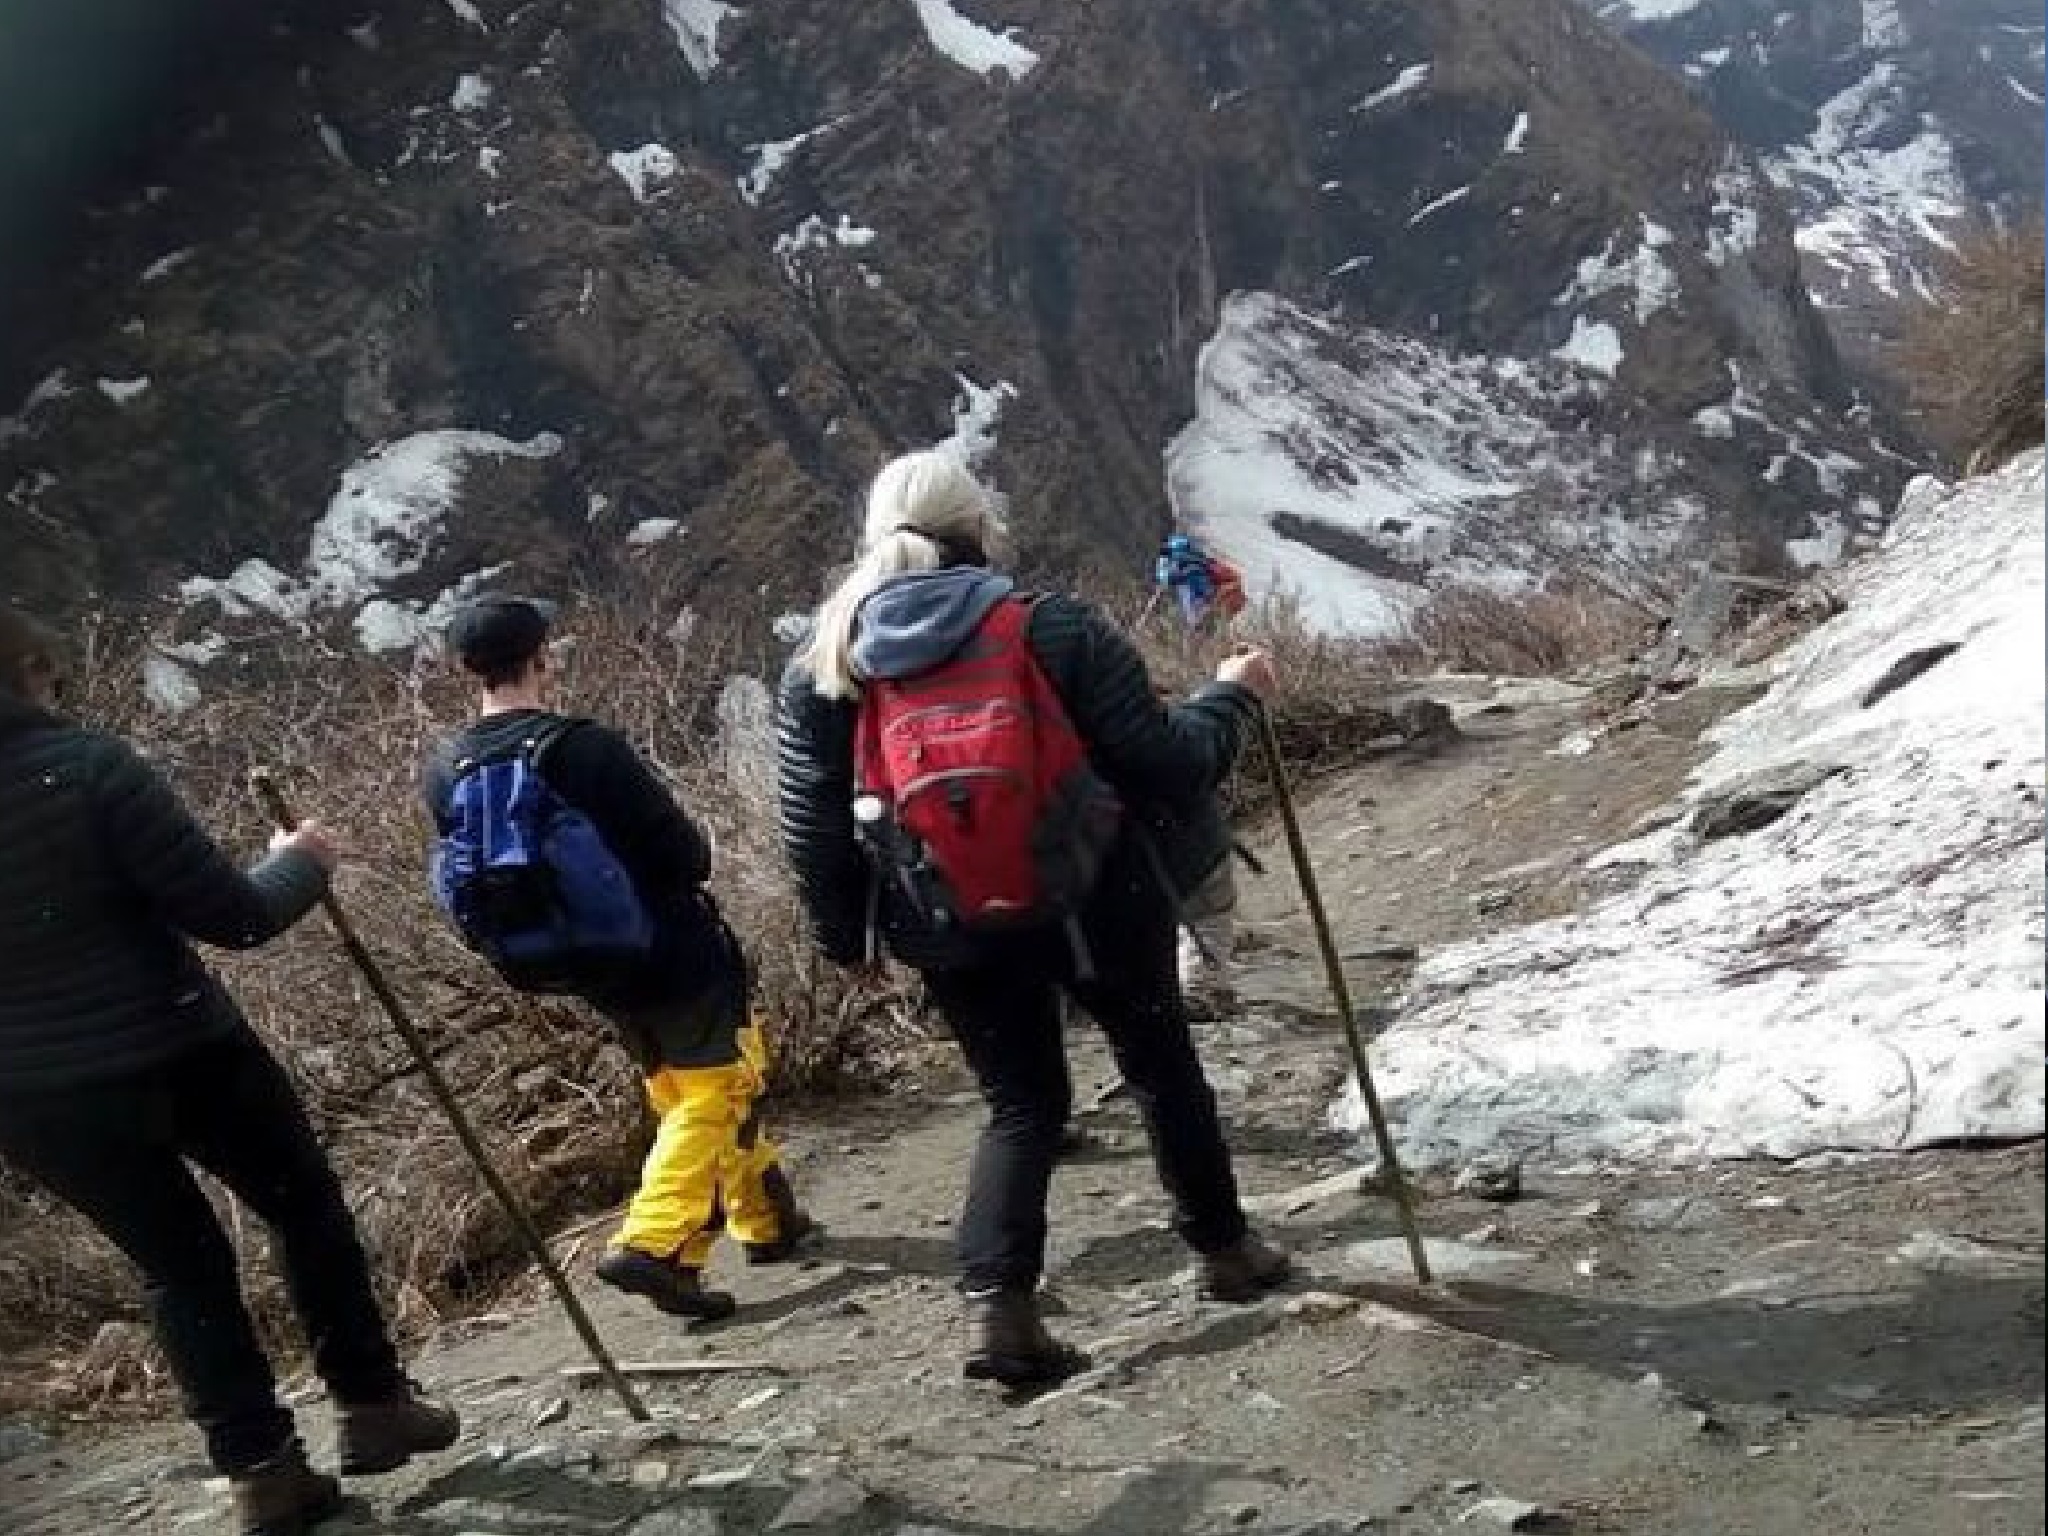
(1745,1350)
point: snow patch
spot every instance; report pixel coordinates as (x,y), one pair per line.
(1518,136)
(53,386)
(1883,28)
(472,93)
(1736,228)
(695,25)
(1406,83)
(1651,10)
(330,140)
(975,414)
(1885,182)
(465,10)
(165,265)
(1593,345)
(771,158)
(645,170)
(1432,209)
(380,526)
(1644,274)
(652,530)
(384,625)
(815,234)
(168,684)
(121,391)
(971,45)
(1864,973)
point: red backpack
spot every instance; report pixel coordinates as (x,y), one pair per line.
(973,792)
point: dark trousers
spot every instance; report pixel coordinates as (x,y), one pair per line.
(119,1154)
(1005,1012)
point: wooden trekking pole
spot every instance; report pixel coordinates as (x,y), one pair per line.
(265,784)
(1340,992)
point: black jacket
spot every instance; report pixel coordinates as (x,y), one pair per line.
(683,1007)
(104,876)
(1166,762)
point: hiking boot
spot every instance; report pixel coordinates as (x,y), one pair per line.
(796,1227)
(800,1233)
(383,1436)
(1245,1271)
(283,1497)
(673,1288)
(1009,1343)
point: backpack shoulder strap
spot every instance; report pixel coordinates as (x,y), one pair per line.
(1009,619)
(548,735)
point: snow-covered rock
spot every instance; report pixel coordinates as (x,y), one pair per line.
(1863,972)
(975,413)
(380,527)
(971,45)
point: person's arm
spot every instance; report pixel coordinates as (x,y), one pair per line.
(1137,740)
(599,771)
(182,874)
(814,770)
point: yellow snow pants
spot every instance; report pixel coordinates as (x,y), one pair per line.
(710,1156)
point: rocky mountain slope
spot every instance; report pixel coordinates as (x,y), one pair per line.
(1887,123)
(394,296)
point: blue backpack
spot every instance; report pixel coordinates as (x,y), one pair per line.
(528,881)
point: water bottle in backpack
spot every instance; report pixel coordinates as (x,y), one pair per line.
(529,882)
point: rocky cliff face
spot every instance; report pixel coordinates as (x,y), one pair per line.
(417,292)
(1886,123)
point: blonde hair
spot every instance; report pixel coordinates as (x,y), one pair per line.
(925,511)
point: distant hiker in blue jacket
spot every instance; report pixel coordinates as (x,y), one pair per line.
(125,1064)
(1203,586)
(1182,570)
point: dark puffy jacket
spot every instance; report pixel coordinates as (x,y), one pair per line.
(104,876)
(1166,762)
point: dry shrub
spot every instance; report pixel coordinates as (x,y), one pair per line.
(556,1102)
(1545,633)
(1971,355)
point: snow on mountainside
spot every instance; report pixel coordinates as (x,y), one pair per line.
(1887,122)
(1353,469)
(1862,973)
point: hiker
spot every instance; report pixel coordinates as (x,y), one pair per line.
(567,863)
(123,1062)
(929,686)
(1204,586)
